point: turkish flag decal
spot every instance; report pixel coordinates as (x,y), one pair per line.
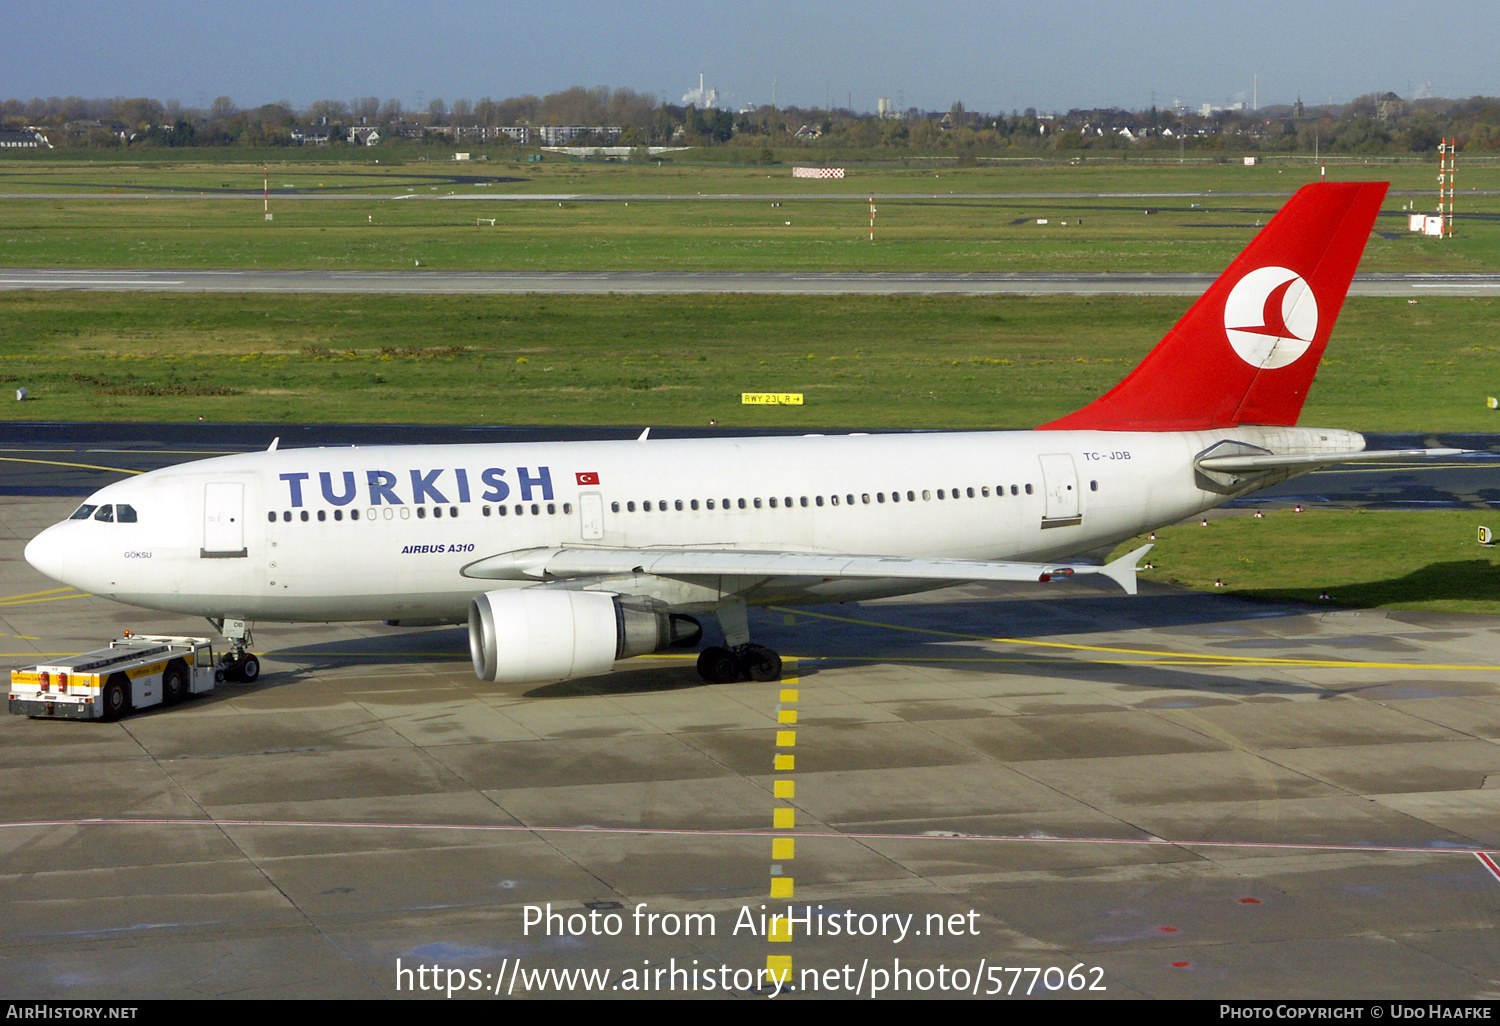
(591,478)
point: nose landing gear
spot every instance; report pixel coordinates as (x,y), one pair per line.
(237,665)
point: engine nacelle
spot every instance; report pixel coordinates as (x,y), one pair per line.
(536,634)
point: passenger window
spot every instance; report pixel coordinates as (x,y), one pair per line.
(453,511)
(804,501)
(773,502)
(834,499)
(694,504)
(107,514)
(895,496)
(927,496)
(286,516)
(985,491)
(678,504)
(551,509)
(614,507)
(535,509)
(630,506)
(502,510)
(820,499)
(567,508)
(85,511)
(338,514)
(354,514)
(880,496)
(1028,489)
(710,504)
(271,516)
(865,498)
(322,515)
(757,503)
(421,512)
(1014,490)
(437,511)
(304,516)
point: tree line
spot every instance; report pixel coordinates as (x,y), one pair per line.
(1371,124)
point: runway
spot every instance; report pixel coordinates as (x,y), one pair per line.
(423,282)
(1173,795)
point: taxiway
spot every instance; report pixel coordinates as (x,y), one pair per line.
(1193,795)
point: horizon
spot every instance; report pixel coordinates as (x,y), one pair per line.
(817,56)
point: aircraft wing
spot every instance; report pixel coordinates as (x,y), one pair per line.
(582,561)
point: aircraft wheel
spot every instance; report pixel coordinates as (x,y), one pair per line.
(174,683)
(718,665)
(250,669)
(762,664)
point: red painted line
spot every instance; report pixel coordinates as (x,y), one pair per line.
(1488,860)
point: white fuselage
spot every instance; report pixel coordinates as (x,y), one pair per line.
(383,533)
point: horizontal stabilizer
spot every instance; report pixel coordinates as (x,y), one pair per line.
(1251,463)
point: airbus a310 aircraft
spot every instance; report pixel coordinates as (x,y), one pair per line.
(564,557)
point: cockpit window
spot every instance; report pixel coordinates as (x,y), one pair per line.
(106,514)
(83,512)
(124,514)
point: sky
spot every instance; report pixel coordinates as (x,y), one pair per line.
(991,56)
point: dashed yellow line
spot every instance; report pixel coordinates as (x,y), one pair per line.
(783,817)
(1160,658)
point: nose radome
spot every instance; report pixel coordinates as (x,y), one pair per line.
(47,552)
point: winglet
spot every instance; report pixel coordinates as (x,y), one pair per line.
(1122,570)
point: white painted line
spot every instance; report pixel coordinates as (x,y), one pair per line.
(84,281)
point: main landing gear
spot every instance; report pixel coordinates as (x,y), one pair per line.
(725,666)
(741,659)
(237,665)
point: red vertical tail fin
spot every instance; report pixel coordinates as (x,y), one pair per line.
(1247,351)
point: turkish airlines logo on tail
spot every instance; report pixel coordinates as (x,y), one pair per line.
(1271,317)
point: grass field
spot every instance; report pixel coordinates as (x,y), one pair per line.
(1428,560)
(1192,217)
(861,361)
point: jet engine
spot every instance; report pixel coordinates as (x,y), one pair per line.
(539,634)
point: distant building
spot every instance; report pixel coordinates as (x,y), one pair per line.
(23,139)
(312,135)
(561,135)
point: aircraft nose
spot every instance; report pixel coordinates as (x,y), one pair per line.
(48,552)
